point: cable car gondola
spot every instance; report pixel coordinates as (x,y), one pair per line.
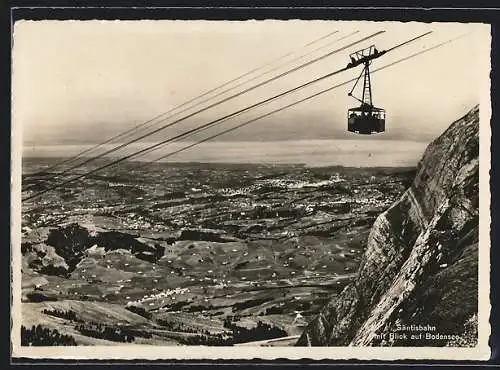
(365,119)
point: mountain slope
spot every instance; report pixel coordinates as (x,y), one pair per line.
(421,262)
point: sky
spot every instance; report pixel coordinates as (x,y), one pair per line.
(77,83)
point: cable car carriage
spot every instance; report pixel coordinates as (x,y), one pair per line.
(365,119)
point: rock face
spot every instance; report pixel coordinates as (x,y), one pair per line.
(421,262)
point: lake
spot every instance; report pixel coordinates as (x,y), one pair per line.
(360,153)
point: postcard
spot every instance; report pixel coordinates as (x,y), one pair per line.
(194,189)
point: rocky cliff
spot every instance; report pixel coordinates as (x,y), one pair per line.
(420,266)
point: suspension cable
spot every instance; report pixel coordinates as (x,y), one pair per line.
(249,80)
(294,103)
(219,120)
(263,103)
(142,125)
(220,102)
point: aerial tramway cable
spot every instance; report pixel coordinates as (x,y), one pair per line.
(268,101)
(143,124)
(202,127)
(279,66)
(246,123)
(257,76)
(232,97)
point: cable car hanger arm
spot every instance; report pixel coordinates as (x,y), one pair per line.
(365,57)
(355,84)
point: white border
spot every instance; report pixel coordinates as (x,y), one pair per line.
(148,352)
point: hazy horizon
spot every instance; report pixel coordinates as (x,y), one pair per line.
(363,153)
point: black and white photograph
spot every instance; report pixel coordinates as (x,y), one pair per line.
(272,188)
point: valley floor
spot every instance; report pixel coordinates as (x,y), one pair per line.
(195,253)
